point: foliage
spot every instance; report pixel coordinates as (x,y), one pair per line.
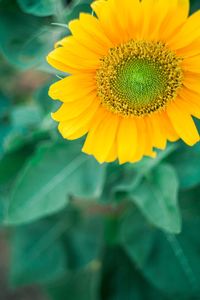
(78,229)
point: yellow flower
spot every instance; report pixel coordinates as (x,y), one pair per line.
(135,78)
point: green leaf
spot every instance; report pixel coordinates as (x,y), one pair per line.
(83,246)
(42,98)
(3,204)
(186,160)
(26,116)
(147,164)
(17,140)
(157,198)
(118,279)
(25,40)
(58,246)
(77,7)
(121,279)
(127,177)
(190,204)
(5,130)
(17,149)
(83,285)
(37,253)
(111,230)
(84,242)
(40,8)
(169,262)
(5,105)
(54,173)
(11,163)
(194,6)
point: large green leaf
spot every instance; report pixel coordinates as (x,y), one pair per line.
(61,245)
(119,280)
(39,8)
(37,253)
(54,173)
(186,161)
(17,148)
(169,262)
(83,246)
(157,198)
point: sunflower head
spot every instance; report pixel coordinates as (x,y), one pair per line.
(132,80)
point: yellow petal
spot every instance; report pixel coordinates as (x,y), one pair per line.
(159,140)
(76,62)
(189,32)
(192,64)
(192,82)
(188,106)
(175,17)
(148,133)
(72,45)
(191,101)
(184,7)
(72,132)
(72,88)
(141,143)
(73,109)
(129,18)
(78,126)
(87,38)
(92,25)
(127,140)
(101,137)
(107,18)
(115,24)
(59,65)
(112,156)
(190,50)
(145,147)
(146,17)
(100,115)
(159,13)
(183,124)
(167,128)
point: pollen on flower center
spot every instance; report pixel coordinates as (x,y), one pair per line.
(138,78)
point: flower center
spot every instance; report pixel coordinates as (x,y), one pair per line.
(138,78)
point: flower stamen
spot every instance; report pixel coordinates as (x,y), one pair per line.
(138,78)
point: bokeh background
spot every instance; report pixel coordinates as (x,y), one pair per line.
(72,229)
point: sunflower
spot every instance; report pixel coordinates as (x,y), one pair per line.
(134,80)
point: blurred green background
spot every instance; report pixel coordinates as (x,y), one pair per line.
(72,229)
